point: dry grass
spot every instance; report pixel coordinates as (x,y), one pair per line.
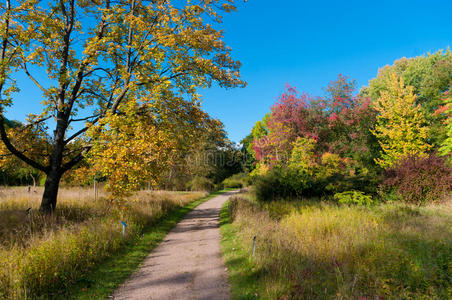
(42,255)
(326,251)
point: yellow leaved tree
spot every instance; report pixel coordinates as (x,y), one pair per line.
(108,64)
(146,139)
(400,128)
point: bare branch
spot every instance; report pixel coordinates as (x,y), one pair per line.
(81,131)
(81,73)
(33,79)
(34,123)
(98,69)
(84,119)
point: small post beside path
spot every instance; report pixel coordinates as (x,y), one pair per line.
(124,225)
(95,190)
(254,245)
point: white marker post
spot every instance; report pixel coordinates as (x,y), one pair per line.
(124,225)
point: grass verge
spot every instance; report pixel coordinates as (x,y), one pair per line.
(112,272)
(243,276)
(327,251)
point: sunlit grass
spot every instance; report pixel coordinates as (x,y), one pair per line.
(43,256)
(325,251)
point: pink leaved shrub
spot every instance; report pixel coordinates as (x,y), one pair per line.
(419,180)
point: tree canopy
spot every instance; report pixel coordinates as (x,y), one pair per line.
(401,126)
(109,64)
(429,76)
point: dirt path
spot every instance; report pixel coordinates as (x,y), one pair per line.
(187,264)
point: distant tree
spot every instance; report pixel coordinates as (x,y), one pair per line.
(248,156)
(400,127)
(302,160)
(203,152)
(340,94)
(293,115)
(338,123)
(106,62)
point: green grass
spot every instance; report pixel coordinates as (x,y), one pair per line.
(243,276)
(102,282)
(322,250)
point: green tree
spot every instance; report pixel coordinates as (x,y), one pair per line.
(259,130)
(248,156)
(446,109)
(400,128)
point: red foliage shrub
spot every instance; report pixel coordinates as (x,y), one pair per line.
(420,180)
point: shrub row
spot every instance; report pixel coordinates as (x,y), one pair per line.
(415,180)
(279,183)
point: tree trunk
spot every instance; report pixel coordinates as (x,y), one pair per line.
(49,198)
(55,171)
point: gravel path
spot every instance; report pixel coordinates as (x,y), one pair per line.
(187,264)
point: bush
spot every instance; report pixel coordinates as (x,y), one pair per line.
(277,184)
(201,184)
(353,197)
(419,180)
(219,186)
(237,181)
(281,183)
(232,182)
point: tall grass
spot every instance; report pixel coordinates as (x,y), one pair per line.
(326,251)
(42,256)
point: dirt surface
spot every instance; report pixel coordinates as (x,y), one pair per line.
(187,264)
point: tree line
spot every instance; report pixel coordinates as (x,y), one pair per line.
(392,134)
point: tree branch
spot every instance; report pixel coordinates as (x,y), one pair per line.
(13,150)
(69,165)
(81,73)
(33,79)
(84,119)
(81,131)
(34,123)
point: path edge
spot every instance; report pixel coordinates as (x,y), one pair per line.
(103,281)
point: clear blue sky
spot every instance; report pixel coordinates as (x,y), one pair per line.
(308,43)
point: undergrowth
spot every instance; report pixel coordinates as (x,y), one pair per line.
(320,250)
(42,257)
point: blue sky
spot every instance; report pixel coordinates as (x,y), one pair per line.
(308,43)
(305,44)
